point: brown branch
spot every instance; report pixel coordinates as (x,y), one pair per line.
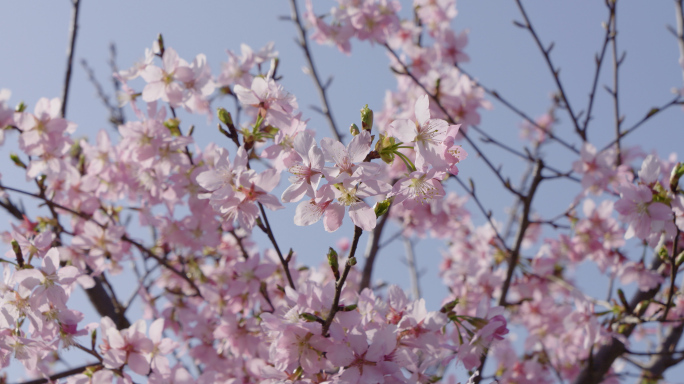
(70,53)
(599,62)
(339,284)
(599,363)
(652,112)
(325,108)
(522,227)
(487,214)
(266,227)
(556,72)
(61,375)
(114,112)
(518,111)
(664,359)
(612,31)
(372,248)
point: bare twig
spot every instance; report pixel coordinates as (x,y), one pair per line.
(612,32)
(546,52)
(114,112)
(61,375)
(599,62)
(70,53)
(266,227)
(372,248)
(325,108)
(519,112)
(522,227)
(677,100)
(339,284)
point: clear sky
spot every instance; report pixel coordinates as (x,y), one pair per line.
(503,57)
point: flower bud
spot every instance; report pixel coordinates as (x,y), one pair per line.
(366,118)
(21,107)
(172,124)
(354,130)
(348,308)
(385,147)
(382,207)
(160,41)
(17,252)
(448,307)
(17,161)
(225,117)
(308,317)
(675,175)
(334,265)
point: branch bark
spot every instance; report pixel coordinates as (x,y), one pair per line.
(70,53)
(325,108)
(599,364)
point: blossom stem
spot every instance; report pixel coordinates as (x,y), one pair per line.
(266,227)
(339,284)
(407,161)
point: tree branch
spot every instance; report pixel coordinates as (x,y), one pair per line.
(325,108)
(372,248)
(600,362)
(61,375)
(556,72)
(339,284)
(70,53)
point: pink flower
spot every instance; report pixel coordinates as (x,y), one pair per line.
(418,188)
(364,361)
(637,208)
(428,135)
(307,171)
(646,279)
(129,346)
(309,212)
(50,280)
(161,82)
(270,96)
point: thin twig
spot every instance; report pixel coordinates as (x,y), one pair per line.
(61,375)
(677,100)
(487,214)
(372,248)
(519,112)
(325,108)
(70,53)
(555,72)
(522,227)
(599,62)
(612,29)
(339,284)
(266,227)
